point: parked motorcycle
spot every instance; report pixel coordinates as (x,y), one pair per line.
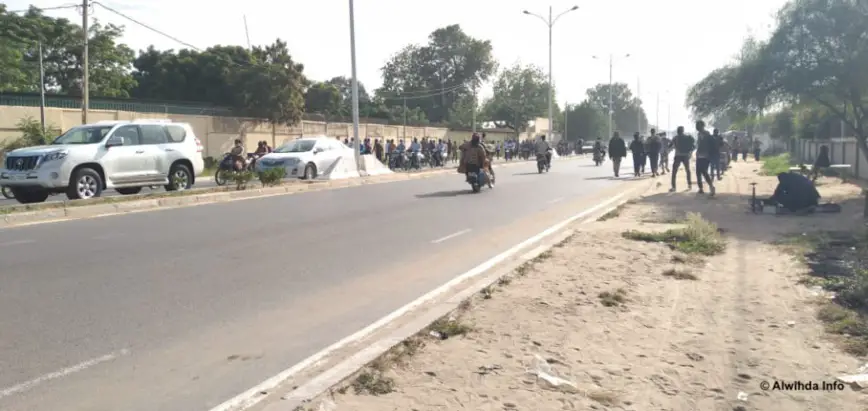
(7,192)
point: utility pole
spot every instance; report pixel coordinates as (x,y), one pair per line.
(566,119)
(85,80)
(404,132)
(657,112)
(638,107)
(611,63)
(247,32)
(474,108)
(41,90)
(357,145)
(551,84)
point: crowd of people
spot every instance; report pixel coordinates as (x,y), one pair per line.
(713,153)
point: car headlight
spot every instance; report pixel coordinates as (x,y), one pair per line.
(289,162)
(57,155)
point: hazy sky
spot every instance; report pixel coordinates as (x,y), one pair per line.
(672,43)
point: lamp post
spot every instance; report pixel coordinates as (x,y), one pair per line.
(355,90)
(550,22)
(611,64)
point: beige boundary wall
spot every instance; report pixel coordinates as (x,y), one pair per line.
(218,133)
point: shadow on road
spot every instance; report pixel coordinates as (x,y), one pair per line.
(444,194)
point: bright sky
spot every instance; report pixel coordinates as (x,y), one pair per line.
(662,36)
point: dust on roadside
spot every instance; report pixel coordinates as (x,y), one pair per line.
(636,326)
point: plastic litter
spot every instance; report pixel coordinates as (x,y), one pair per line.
(742,396)
(548,379)
(859,380)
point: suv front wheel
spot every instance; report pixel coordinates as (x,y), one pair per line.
(85,183)
(180,178)
(29,195)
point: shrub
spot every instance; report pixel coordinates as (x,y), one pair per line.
(697,237)
(31,135)
(272,176)
(775,165)
(241,178)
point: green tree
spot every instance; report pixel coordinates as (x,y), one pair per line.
(584,121)
(816,56)
(520,95)
(109,61)
(32,134)
(366,106)
(322,98)
(625,107)
(439,74)
(783,125)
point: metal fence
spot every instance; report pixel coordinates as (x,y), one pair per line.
(841,151)
(113,105)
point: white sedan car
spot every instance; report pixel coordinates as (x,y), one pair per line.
(306,157)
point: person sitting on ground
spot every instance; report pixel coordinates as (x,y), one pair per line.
(796,193)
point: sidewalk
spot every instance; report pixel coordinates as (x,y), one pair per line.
(606,322)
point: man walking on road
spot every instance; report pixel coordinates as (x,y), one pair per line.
(665,147)
(653,147)
(706,150)
(684,146)
(617,151)
(637,148)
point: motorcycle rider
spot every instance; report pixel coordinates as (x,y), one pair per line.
(617,151)
(474,157)
(237,152)
(489,154)
(543,147)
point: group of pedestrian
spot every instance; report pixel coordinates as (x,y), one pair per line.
(711,150)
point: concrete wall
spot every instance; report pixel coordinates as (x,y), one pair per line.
(218,133)
(841,151)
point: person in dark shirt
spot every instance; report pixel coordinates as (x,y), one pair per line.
(617,151)
(705,152)
(637,148)
(796,193)
(653,147)
(684,146)
(714,156)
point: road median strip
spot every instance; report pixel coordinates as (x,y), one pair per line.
(23,214)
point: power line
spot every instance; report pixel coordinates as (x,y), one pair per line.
(68,6)
(404,96)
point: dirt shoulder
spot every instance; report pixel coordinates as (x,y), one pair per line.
(635,325)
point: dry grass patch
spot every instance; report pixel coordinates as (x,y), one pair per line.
(680,274)
(613,298)
(697,237)
(851,326)
(614,213)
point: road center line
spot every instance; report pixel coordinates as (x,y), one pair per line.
(27,385)
(450,236)
(16,242)
(557,200)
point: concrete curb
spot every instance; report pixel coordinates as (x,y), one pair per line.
(337,374)
(71,212)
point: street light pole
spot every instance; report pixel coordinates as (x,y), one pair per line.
(550,22)
(355,87)
(611,110)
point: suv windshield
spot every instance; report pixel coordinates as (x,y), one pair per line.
(297,146)
(83,135)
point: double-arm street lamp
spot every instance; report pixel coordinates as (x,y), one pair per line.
(550,22)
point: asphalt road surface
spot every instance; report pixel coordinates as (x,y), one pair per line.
(182,309)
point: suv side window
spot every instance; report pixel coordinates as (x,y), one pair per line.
(153,134)
(128,134)
(177,134)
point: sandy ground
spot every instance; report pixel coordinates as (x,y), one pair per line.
(681,345)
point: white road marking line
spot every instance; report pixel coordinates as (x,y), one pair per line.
(557,200)
(27,385)
(450,236)
(17,242)
(255,395)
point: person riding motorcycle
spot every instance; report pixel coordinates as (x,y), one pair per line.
(543,147)
(489,153)
(474,158)
(239,161)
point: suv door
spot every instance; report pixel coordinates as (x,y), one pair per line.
(159,153)
(126,163)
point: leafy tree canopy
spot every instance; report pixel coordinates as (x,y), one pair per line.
(520,95)
(627,111)
(585,121)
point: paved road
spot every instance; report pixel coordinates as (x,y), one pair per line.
(202,182)
(182,309)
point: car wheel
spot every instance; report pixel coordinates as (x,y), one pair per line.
(310,172)
(129,190)
(86,183)
(180,178)
(29,195)
(7,192)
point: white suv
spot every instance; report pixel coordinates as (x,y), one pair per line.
(122,155)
